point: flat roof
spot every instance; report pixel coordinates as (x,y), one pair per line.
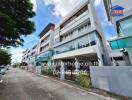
(74,11)
(46,29)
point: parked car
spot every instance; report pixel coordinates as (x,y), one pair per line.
(3,70)
(7,67)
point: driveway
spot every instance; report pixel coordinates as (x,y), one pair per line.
(23,85)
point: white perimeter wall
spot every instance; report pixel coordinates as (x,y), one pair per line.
(116,79)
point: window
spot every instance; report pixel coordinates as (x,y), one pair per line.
(118,58)
(44,47)
(88,24)
(66,36)
(81,28)
(46,39)
(84,27)
(66,47)
(79,13)
(125,26)
(114,45)
(92,39)
(82,42)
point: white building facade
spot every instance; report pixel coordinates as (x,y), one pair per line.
(79,38)
(45,49)
(26,55)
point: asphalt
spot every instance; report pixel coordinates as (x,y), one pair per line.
(23,85)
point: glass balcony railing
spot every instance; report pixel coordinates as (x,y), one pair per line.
(74,45)
(87,45)
(82,42)
(121,43)
(59,52)
(44,56)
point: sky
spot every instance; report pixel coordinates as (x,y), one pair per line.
(53,11)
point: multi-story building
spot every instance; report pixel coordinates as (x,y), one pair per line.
(79,38)
(123,25)
(26,56)
(29,56)
(33,53)
(46,45)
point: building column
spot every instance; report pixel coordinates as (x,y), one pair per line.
(77,64)
(91,14)
(49,63)
(53,63)
(99,55)
(62,70)
(130,55)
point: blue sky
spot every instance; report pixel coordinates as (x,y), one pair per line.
(52,11)
(45,14)
(43,17)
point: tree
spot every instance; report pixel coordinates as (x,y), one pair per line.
(5,57)
(15,21)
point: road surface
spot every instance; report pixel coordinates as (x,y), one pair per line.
(23,85)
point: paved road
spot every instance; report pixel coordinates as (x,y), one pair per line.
(23,85)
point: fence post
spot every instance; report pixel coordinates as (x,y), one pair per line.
(62,71)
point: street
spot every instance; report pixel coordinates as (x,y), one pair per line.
(22,85)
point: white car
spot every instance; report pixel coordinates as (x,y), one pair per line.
(3,70)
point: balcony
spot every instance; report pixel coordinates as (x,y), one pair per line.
(76,22)
(44,56)
(83,51)
(45,43)
(85,41)
(46,35)
(77,35)
(32,59)
(70,49)
(44,49)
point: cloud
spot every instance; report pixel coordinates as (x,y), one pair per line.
(97,2)
(30,39)
(62,7)
(16,54)
(107,25)
(34,5)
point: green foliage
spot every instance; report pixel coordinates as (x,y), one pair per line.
(15,21)
(15,65)
(83,80)
(48,71)
(5,57)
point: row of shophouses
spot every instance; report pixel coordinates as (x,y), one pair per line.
(79,38)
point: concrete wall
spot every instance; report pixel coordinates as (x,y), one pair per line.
(114,79)
(130,54)
(38,69)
